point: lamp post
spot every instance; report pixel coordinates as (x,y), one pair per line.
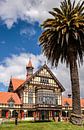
(66,109)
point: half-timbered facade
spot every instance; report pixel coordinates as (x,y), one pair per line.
(40,95)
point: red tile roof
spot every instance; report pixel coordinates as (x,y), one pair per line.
(82,102)
(16,83)
(69,101)
(6,96)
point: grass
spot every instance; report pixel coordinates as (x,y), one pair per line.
(40,126)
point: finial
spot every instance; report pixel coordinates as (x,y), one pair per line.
(45,61)
(11,77)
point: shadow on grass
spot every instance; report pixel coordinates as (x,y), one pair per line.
(40,121)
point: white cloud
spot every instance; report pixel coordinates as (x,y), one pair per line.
(29,10)
(20,49)
(16,66)
(27,32)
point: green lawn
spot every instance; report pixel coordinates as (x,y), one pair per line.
(40,126)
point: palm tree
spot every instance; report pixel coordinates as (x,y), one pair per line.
(63,40)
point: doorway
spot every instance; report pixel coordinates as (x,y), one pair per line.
(44,115)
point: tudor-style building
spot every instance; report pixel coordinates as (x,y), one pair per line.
(39,96)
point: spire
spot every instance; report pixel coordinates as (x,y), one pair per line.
(29,69)
(29,65)
(10,89)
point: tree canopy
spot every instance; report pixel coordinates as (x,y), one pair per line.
(63,35)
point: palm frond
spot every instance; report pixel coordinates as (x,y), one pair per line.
(63,34)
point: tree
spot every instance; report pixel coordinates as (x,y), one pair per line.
(62,40)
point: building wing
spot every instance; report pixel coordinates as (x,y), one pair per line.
(67,100)
(14,84)
(5,97)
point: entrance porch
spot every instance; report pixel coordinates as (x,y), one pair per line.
(46,115)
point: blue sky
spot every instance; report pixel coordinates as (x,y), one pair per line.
(19,32)
(22,37)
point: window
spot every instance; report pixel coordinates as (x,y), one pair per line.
(30,96)
(56,101)
(30,71)
(11,104)
(44,96)
(30,100)
(44,80)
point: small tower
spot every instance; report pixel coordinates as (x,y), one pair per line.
(29,69)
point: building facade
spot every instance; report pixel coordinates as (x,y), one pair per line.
(39,96)
(67,106)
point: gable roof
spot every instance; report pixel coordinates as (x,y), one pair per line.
(16,83)
(6,96)
(69,101)
(44,66)
(66,100)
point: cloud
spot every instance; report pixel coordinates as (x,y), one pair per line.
(20,49)
(15,66)
(27,32)
(29,10)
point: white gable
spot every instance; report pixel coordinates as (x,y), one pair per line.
(44,77)
(44,72)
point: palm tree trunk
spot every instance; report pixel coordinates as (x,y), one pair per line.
(75,88)
(76,107)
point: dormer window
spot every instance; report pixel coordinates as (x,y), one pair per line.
(44,80)
(11,104)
